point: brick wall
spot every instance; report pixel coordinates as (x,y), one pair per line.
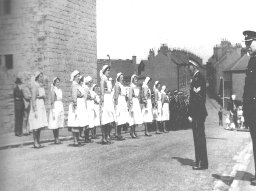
(54,37)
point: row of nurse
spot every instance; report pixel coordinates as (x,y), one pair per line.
(115,108)
(84,110)
(37,116)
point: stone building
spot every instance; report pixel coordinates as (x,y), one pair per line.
(170,67)
(224,56)
(235,76)
(54,37)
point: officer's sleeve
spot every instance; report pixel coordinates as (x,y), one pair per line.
(200,95)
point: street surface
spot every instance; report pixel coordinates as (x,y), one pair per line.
(160,162)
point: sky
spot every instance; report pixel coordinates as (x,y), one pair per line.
(132,27)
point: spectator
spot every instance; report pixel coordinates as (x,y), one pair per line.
(220,113)
(18,107)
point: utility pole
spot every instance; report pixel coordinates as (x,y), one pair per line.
(223,96)
(178,80)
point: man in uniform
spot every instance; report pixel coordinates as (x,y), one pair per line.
(197,114)
(249,96)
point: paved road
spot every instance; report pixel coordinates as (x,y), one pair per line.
(160,162)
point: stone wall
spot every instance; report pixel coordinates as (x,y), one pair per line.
(54,37)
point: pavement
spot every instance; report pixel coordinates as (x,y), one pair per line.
(9,140)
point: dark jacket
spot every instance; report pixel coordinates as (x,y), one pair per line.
(197,99)
(249,96)
(18,98)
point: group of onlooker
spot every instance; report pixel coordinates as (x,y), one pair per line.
(234,118)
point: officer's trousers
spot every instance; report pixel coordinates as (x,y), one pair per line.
(252,126)
(198,128)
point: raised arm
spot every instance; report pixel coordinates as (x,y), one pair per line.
(116,94)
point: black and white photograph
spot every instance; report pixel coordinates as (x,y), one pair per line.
(127,95)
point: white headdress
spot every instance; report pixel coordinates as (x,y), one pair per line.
(73,74)
(156,83)
(93,86)
(33,78)
(118,75)
(163,89)
(102,71)
(193,63)
(132,78)
(87,79)
(147,79)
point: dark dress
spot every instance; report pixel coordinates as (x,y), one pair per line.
(197,110)
(19,110)
(249,99)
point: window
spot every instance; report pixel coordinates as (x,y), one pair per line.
(9,61)
(7,7)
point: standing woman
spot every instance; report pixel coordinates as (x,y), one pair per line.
(18,107)
(165,104)
(56,116)
(122,114)
(37,115)
(76,107)
(136,117)
(158,105)
(108,111)
(96,98)
(147,106)
(90,108)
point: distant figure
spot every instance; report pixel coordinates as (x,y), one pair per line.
(232,108)
(220,113)
(240,118)
(18,107)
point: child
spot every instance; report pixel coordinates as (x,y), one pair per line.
(220,113)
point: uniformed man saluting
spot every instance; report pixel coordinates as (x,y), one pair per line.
(249,96)
(197,114)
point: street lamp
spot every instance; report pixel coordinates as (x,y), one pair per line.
(223,96)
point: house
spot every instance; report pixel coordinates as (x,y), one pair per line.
(234,76)
(169,66)
(224,56)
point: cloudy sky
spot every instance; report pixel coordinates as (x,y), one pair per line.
(131,27)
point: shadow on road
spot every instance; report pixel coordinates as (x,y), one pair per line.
(184,161)
(225,179)
(240,175)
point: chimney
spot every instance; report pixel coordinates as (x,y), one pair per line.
(134,60)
